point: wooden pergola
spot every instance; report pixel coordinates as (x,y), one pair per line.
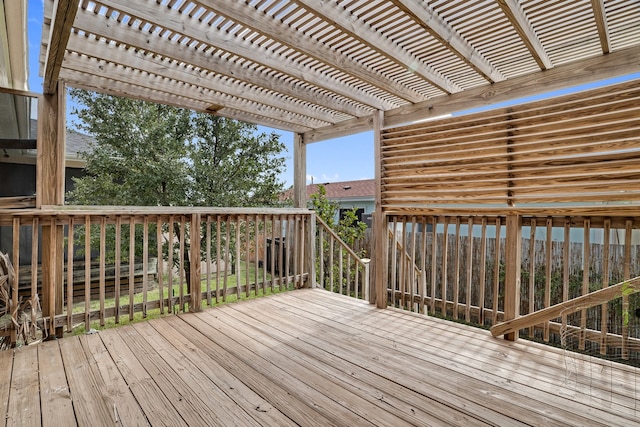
(476,217)
(328,69)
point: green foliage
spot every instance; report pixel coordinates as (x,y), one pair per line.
(156,155)
(349,229)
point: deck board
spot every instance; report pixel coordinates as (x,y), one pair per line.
(309,357)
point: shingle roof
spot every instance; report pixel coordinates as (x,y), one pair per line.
(360,189)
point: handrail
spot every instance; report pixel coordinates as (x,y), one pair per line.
(351,252)
(340,241)
(625,288)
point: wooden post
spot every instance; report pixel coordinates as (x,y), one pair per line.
(379,258)
(512,271)
(50,191)
(311,242)
(299,172)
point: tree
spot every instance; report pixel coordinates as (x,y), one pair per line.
(156,155)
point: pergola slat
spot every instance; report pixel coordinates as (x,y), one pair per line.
(336,62)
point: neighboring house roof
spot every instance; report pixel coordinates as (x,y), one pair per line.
(76,143)
(363,189)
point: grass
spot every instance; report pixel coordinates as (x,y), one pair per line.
(154,295)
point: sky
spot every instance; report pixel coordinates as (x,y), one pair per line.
(343,159)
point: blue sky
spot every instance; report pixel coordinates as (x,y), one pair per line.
(342,159)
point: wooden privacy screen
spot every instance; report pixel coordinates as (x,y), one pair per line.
(579,148)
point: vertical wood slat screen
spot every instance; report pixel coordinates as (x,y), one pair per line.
(582,147)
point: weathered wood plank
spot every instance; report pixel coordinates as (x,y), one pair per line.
(544,364)
(198,384)
(55,396)
(336,395)
(156,406)
(125,407)
(91,402)
(6,362)
(24,397)
(401,401)
(247,399)
(301,412)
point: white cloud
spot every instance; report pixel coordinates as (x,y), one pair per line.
(322,178)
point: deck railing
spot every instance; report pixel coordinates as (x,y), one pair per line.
(96,264)
(339,268)
(460,267)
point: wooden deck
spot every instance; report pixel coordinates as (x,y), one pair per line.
(309,357)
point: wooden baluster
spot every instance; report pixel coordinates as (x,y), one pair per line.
(496,273)
(208,258)
(467,310)
(227,264)
(145,264)
(513,261)
(483,272)
(70,241)
(195,277)
(532,270)
(218,258)
(34,273)
(102,268)
(625,298)
(274,255)
(434,264)
(423,266)
(548,268)
(412,261)
(87,273)
(445,264)
(604,322)
(132,260)
(585,280)
(16,279)
(118,255)
(160,267)
(321,255)
(456,270)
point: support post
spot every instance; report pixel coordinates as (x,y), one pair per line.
(311,242)
(299,172)
(379,259)
(512,271)
(50,191)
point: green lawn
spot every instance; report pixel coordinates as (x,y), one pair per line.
(154,295)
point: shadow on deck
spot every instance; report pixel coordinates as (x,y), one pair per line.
(309,357)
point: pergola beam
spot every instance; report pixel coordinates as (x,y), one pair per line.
(104,85)
(616,64)
(179,72)
(194,29)
(262,23)
(514,12)
(424,16)
(92,66)
(62,21)
(599,13)
(337,16)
